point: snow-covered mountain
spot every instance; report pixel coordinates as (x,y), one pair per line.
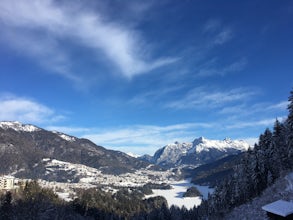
(171,153)
(17,126)
(23,146)
(200,151)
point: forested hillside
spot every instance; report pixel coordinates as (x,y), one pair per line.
(270,159)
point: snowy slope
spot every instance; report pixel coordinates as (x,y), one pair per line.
(65,136)
(200,151)
(132,154)
(17,126)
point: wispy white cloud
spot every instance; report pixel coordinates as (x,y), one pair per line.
(259,108)
(279,106)
(211,70)
(224,36)
(121,45)
(203,97)
(154,95)
(21,109)
(219,33)
(264,122)
(211,26)
(235,109)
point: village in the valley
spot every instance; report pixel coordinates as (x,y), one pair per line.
(88,177)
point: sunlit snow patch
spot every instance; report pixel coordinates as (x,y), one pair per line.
(17,126)
(174,196)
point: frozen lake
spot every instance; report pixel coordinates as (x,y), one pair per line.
(174,196)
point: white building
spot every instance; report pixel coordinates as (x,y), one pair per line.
(7,182)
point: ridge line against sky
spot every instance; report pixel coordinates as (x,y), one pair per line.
(136,75)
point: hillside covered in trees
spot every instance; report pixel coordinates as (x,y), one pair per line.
(259,168)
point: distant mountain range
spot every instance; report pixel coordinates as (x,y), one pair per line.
(200,151)
(23,146)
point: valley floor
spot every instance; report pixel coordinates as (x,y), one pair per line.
(174,196)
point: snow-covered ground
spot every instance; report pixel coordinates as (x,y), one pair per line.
(65,196)
(174,196)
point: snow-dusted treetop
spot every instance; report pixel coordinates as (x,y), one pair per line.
(17,126)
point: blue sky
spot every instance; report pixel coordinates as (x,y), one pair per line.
(136,75)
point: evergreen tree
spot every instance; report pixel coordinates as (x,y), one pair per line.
(6,206)
(290,109)
(175,213)
(280,149)
(290,130)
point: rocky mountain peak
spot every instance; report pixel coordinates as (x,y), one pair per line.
(199,140)
(200,151)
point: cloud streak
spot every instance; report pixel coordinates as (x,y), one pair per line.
(121,45)
(210,70)
(264,122)
(223,36)
(220,33)
(260,108)
(200,98)
(154,95)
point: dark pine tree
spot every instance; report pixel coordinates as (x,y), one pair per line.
(290,129)
(290,108)
(6,206)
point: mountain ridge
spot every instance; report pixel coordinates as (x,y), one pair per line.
(22,146)
(198,152)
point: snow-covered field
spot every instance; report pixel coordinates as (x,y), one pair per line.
(174,196)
